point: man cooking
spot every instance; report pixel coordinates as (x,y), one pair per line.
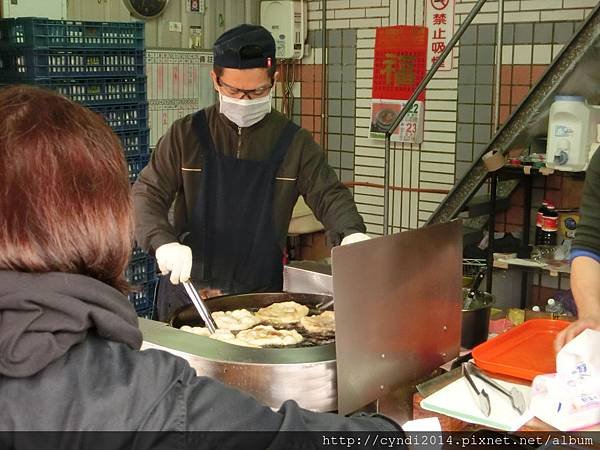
(234,171)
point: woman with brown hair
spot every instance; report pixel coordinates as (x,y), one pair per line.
(69,340)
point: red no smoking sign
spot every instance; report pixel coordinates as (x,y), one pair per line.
(439,4)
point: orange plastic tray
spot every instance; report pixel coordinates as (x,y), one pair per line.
(523,352)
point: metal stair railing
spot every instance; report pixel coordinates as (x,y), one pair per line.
(579,58)
(407,107)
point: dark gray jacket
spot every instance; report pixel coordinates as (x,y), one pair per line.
(70,360)
(102,385)
(587,235)
(174,174)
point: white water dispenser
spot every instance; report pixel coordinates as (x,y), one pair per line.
(572,133)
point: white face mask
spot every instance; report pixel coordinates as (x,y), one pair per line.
(245,112)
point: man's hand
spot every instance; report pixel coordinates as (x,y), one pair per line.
(177,259)
(574,329)
(355,237)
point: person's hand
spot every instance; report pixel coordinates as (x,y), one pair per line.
(355,237)
(574,329)
(175,258)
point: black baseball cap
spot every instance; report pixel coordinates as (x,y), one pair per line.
(245,47)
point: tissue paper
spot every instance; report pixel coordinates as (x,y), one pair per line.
(570,398)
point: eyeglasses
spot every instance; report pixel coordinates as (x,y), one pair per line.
(250,93)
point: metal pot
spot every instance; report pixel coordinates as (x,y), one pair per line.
(476,322)
(272,375)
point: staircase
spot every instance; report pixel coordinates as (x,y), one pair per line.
(575,71)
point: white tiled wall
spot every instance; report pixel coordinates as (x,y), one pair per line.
(431,164)
(529,10)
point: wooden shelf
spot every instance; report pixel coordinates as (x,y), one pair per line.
(555,268)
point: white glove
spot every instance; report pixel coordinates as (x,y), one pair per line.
(355,237)
(175,258)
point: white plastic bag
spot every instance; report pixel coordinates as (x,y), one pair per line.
(570,399)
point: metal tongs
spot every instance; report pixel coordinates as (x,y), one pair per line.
(474,290)
(324,305)
(482,396)
(516,397)
(200,306)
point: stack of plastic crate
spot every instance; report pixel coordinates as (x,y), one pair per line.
(141,274)
(101,66)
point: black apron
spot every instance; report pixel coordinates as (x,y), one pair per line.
(231,232)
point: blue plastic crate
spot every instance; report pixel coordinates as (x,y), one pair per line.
(141,270)
(135,164)
(137,252)
(92,91)
(142,298)
(46,33)
(124,117)
(146,313)
(33,63)
(135,142)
